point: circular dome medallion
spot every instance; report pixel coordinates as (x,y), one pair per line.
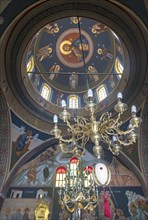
(71,48)
(64,58)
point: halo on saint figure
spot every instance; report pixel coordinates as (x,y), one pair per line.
(56,30)
(65,47)
(94,31)
(49,50)
(99,51)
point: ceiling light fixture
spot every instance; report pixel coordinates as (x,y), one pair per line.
(107,128)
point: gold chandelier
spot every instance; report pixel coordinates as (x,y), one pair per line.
(79,191)
(107,128)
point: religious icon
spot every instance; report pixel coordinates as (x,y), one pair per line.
(26,214)
(45,173)
(73,80)
(32,173)
(42,210)
(92,69)
(52,28)
(99,28)
(137,205)
(17,215)
(23,142)
(75,20)
(54,69)
(44,52)
(59,98)
(105,54)
(67,47)
(72,49)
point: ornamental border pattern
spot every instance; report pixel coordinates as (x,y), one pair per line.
(4,137)
(144,140)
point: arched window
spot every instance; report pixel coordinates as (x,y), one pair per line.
(73,101)
(101,93)
(119,67)
(88,174)
(60,177)
(73,167)
(46,90)
(30,66)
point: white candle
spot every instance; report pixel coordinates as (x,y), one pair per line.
(63,103)
(90,93)
(119,95)
(114,138)
(133,109)
(55,119)
(130,126)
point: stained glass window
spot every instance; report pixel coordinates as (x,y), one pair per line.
(101,93)
(46,90)
(60,177)
(73,101)
(119,67)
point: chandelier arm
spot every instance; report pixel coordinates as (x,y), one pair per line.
(81,122)
(111,149)
(65,140)
(70,151)
(120,132)
(109,124)
(108,115)
(116,121)
(77,129)
(105,137)
(126,143)
(103,116)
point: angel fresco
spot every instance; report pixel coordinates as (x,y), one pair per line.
(59,98)
(105,53)
(54,69)
(92,69)
(137,205)
(23,142)
(99,28)
(75,20)
(52,28)
(44,52)
(73,81)
(32,173)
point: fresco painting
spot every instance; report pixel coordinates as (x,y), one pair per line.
(37,177)
(132,207)
(24,138)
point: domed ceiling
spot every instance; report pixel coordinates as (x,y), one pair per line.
(70,55)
